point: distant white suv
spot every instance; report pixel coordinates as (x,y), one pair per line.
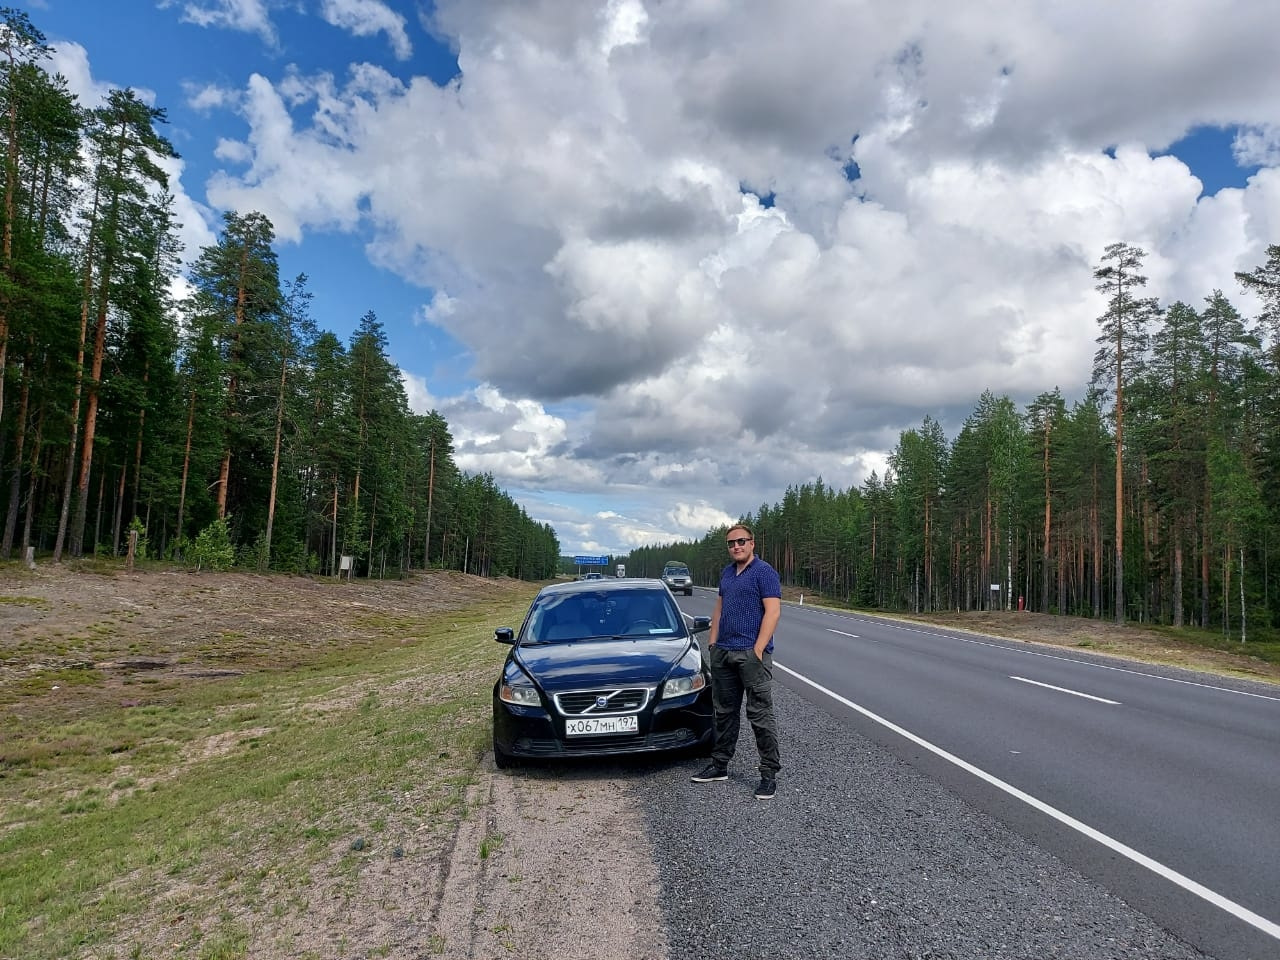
(676,577)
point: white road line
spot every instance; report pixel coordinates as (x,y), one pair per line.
(1083,663)
(1168,873)
(1074,693)
(842,633)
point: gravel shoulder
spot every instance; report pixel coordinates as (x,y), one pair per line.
(861,856)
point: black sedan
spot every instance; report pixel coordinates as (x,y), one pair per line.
(601,668)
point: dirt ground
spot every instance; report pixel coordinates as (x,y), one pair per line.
(517,901)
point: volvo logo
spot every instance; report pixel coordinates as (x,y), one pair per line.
(601,702)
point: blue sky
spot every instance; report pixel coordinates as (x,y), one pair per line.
(180,54)
(554,208)
(1207,152)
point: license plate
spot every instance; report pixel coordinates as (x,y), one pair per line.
(594,726)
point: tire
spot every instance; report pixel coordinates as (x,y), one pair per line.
(501,759)
(689,592)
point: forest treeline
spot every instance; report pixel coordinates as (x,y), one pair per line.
(223,426)
(216,427)
(1155,498)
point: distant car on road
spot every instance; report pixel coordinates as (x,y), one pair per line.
(677,577)
(594,576)
(602,668)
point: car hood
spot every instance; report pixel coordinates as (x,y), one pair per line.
(633,661)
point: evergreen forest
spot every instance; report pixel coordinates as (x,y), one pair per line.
(224,427)
(218,427)
(1155,498)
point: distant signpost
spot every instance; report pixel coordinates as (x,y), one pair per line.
(591,562)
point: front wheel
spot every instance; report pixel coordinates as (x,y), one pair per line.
(501,759)
(689,592)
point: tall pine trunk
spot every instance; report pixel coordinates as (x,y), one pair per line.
(1095,530)
(90,417)
(1046,549)
(85,300)
(431,487)
(1177,575)
(15,482)
(1119,571)
(233,385)
(265,560)
(186,467)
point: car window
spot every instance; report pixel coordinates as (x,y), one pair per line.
(603,613)
(647,613)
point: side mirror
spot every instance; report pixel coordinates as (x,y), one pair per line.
(701,623)
(507,635)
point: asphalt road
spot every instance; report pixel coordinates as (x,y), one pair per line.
(1154,791)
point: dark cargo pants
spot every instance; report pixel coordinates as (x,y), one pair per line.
(735,673)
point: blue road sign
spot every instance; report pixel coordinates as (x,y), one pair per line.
(591,561)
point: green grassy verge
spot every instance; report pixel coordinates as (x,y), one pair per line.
(174,821)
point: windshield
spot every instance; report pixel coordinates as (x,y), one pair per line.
(676,571)
(559,618)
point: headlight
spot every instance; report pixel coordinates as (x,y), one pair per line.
(679,686)
(522,695)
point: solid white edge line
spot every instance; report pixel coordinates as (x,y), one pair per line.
(1074,693)
(1216,899)
(1050,656)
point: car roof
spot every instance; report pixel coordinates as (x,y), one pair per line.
(592,586)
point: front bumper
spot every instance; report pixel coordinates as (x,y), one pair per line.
(533,733)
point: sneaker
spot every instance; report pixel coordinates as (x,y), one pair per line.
(767,789)
(710,773)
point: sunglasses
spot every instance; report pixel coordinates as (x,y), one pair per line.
(739,542)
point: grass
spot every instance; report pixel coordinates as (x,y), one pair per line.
(1264,646)
(175,822)
(38,602)
(490,843)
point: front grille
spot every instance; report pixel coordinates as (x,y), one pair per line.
(579,703)
(668,740)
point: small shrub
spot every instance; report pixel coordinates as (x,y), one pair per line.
(212,548)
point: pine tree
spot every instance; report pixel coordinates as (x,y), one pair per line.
(123,142)
(1122,346)
(21,47)
(38,284)
(238,295)
(920,463)
(1044,416)
(296,324)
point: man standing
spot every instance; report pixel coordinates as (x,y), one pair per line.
(748,607)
